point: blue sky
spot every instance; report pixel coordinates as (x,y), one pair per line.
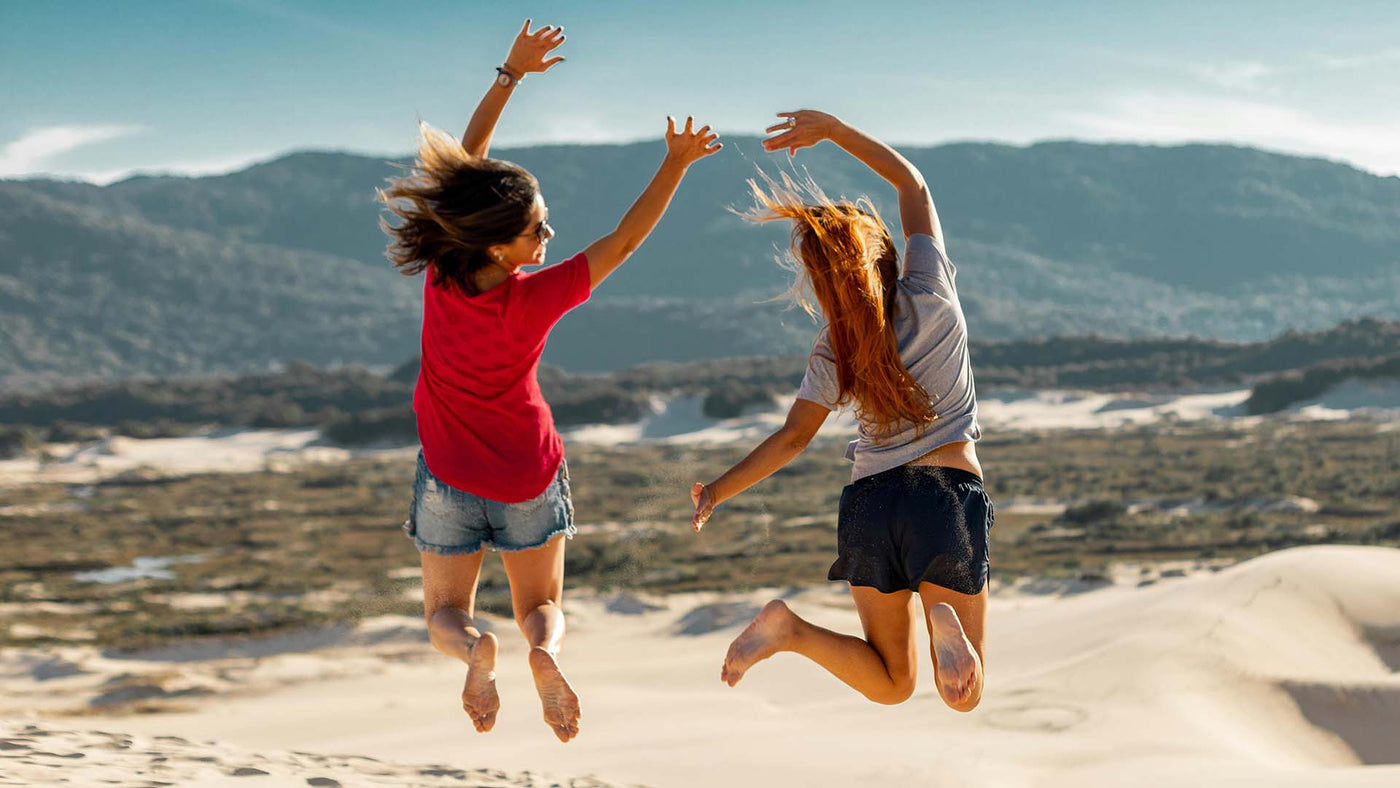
(98,90)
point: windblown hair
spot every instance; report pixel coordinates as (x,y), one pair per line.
(843,255)
(454,206)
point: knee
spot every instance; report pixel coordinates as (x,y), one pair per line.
(435,618)
(899,690)
(442,623)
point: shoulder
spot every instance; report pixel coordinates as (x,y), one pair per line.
(922,246)
(564,268)
(927,268)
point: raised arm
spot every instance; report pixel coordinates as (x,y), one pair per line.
(803,420)
(806,127)
(528,55)
(683,148)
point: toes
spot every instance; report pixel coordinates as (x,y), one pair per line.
(564,731)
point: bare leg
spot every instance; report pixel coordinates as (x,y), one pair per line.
(449,604)
(881,666)
(957,625)
(537,595)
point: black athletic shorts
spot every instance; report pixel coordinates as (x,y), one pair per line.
(914,524)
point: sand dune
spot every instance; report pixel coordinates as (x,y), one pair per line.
(36,755)
(676,420)
(1281,671)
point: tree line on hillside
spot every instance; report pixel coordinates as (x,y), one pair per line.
(353,405)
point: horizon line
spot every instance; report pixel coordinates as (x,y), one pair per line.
(196,171)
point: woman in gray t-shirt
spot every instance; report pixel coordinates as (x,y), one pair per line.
(915,518)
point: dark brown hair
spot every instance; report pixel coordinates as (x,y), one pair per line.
(843,255)
(454,206)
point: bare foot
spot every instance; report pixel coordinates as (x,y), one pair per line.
(959,669)
(766,636)
(479,697)
(561,709)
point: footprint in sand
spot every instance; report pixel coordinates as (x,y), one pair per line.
(1036,718)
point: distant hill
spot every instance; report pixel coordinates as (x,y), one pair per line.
(284,260)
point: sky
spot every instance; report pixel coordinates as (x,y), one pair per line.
(100,90)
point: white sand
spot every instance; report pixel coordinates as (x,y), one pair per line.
(1278,672)
(209,451)
(43,754)
(674,420)
(679,420)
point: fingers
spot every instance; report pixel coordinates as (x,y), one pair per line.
(525,28)
(787,140)
(689,124)
(552,61)
(670,126)
(703,505)
(779,139)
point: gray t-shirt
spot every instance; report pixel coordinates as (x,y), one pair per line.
(932,337)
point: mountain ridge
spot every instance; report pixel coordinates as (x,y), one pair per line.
(1053,238)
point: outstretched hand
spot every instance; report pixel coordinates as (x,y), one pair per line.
(530,52)
(704,501)
(688,145)
(802,129)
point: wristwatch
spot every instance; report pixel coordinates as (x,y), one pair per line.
(506,79)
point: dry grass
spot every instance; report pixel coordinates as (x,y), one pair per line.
(323,544)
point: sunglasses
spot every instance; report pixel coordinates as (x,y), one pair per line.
(542,232)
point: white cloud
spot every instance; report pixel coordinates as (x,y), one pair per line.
(31,156)
(1360,61)
(219,166)
(1235,76)
(28,154)
(1153,117)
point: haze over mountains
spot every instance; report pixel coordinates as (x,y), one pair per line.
(283,260)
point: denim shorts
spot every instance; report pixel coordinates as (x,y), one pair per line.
(448,521)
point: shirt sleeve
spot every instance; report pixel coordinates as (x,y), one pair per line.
(927,268)
(549,293)
(819,384)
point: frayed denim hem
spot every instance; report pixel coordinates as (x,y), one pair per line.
(569,531)
(441,549)
(447,550)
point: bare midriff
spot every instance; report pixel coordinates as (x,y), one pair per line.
(961,455)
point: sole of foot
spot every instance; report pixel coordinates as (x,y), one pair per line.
(959,668)
(557,698)
(763,638)
(479,698)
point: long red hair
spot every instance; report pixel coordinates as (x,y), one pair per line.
(843,255)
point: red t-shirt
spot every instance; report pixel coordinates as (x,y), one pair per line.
(483,423)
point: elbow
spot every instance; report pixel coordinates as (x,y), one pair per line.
(626,241)
(916,186)
(795,442)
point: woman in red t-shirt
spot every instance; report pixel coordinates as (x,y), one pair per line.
(491,473)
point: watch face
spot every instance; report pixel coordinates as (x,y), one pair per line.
(503,79)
